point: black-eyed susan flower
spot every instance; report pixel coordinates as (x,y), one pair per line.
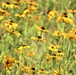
(71,11)
(8,63)
(70,34)
(64,17)
(53,47)
(42,28)
(3,13)
(51,14)
(42,71)
(39,38)
(32,69)
(9,5)
(54,56)
(57,33)
(32,6)
(19,15)
(68,20)
(26,11)
(10,24)
(23,47)
(60,53)
(16,33)
(12,31)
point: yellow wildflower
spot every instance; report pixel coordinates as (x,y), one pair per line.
(19,15)
(57,33)
(4,12)
(53,47)
(8,62)
(32,69)
(32,6)
(58,58)
(10,24)
(51,14)
(54,56)
(68,20)
(65,18)
(9,5)
(16,33)
(19,50)
(42,29)
(39,38)
(26,11)
(60,53)
(23,47)
(71,11)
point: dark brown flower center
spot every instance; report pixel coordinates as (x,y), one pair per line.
(42,69)
(48,11)
(59,51)
(54,54)
(75,32)
(65,14)
(25,8)
(43,28)
(7,62)
(52,47)
(7,3)
(33,68)
(23,45)
(39,37)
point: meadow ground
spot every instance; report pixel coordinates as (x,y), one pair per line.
(37,37)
